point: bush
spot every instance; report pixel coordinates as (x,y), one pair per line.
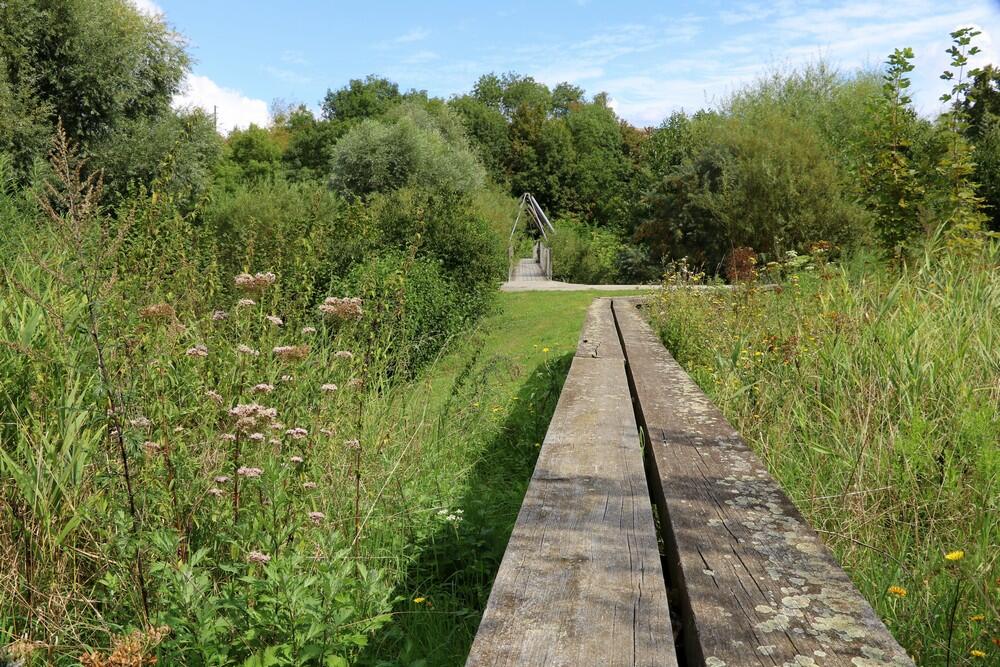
(409,150)
(766,183)
(413,310)
(584,254)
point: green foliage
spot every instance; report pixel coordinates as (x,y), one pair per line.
(255,152)
(765,183)
(361,99)
(90,63)
(584,254)
(893,186)
(961,214)
(486,128)
(176,153)
(410,150)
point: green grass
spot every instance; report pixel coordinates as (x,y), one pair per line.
(874,399)
(485,406)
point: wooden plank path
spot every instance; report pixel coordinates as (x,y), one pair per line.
(581,582)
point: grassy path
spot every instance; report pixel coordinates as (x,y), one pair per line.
(482,411)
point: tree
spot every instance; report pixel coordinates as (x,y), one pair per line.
(255,151)
(90,64)
(175,153)
(564,97)
(361,98)
(486,128)
(310,141)
(386,155)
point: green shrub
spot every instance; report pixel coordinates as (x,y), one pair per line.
(408,150)
(766,183)
(584,254)
(413,308)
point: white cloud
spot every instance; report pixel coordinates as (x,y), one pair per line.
(415,35)
(147,7)
(234,109)
(287,75)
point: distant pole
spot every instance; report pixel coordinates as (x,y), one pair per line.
(215,117)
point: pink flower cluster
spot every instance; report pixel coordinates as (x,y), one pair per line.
(257,282)
(346,308)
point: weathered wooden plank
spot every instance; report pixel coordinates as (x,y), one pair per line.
(581,581)
(599,337)
(760,588)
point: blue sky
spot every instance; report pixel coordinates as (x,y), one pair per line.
(651,57)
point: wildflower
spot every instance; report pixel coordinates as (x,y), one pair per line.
(263,388)
(221,479)
(459,511)
(140,422)
(309,485)
(955,555)
(308,330)
(352,444)
(244,471)
(443,512)
(898,591)
(246,349)
(326,432)
(197,351)
(245,303)
(296,459)
(277,426)
(329,386)
(344,354)
(275,441)
(253,410)
(419,600)
(157,311)
(227,437)
(152,447)
(275,320)
(257,437)
(297,433)
(316,517)
(257,282)
(976,653)
(291,352)
(348,308)
(545,349)
(453,518)
(219,315)
(215,491)
(355,383)
(977,617)
(213,395)
(287,378)
(258,557)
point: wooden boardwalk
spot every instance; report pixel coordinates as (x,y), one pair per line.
(729,573)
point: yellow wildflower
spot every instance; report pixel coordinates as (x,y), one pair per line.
(545,349)
(958,554)
(898,591)
(419,600)
(976,653)
(977,617)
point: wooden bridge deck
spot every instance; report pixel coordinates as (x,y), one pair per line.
(738,578)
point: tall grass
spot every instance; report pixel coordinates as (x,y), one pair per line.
(873,395)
